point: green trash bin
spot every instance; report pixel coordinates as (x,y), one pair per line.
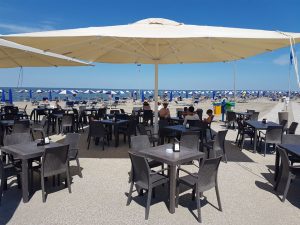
(229,106)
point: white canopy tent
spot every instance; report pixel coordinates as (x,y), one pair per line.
(158,41)
(16,55)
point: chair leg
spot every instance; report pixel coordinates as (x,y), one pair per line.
(130,193)
(79,169)
(89,141)
(1,189)
(265,149)
(286,189)
(177,195)
(193,194)
(218,197)
(68,180)
(198,205)
(148,203)
(43,189)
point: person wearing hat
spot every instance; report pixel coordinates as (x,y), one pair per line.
(164,113)
(146,106)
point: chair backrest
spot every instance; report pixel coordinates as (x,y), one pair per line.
(148,114)
(17,138)
(274,135)
(200,113)
(161,124)
(283,116)
(208,173)
(254,116)
(230,116)
(72,139)
(131,129)
(101,112)
(44,121)
(96,129)
(55,160)
(194,123)
(67,120)
(122,111)
(284,166)
(141,128)
(250,111)
(122,116)
(283,123)
(291,139)
(140,142)
(292,128)
(21,126)
(219,143)
(140,169)
(115,111)
(190,140)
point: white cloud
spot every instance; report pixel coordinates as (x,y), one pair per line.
(14,28)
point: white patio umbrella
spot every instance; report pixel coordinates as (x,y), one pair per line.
(158,41)
(16,55)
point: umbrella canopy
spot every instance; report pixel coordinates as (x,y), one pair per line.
(157,41)
(3,96)
(16,55)
(10,96)
(66,92)
(142,96)
(89,92)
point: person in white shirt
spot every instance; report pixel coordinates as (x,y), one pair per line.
(191,115)
(159,106)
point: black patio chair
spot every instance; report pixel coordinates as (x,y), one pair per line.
(216,147)
(42,128)
(72,139)
(148,116)
(294,140)
(205,179)
(7,171)
(273,136)
(286,174)
(254,116)
(21,126)
(67,123)
(78,120)
(243,132)
(144,178)
(292,128)
(97,131)
(55,162)
(230,119)
(283,116)
(153,138)
(129,130)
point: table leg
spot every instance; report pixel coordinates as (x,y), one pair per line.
(25,192)
(172,176)
(277,158)
(56,126)
(255,140)
(116,131)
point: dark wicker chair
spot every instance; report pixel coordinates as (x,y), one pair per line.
(6,171)
(230,119)
(273,136)
(216,147)
(148,116)
(144,178)
(286,174)
(67,123)
(294,140)
(243,132)
(129,130)
(97,131)
(72,139)
(153,138)
(55,162)
(292,128)
(78,120)
(204,180)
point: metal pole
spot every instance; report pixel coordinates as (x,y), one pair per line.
(156,99)
(234,81)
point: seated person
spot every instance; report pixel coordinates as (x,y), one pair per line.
(191,115)
(209,119)
(57,104)
(185,111)
(146,106)
(159,106)
(164,113)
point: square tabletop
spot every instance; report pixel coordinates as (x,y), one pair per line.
(111,122)
(259,125)
(292,149)
(28,150)
(182,128)
(160,154)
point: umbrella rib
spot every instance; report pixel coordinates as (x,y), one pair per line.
(146,50)
(173,49)
(133,48)
(42,60)
(10,57)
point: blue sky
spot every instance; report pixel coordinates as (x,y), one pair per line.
(267,71)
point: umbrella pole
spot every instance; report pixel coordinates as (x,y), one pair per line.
(156,99)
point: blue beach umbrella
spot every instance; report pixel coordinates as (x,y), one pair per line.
(142,96)
(186,94)
(10,97)
(171,96)
(30,94)
(213,94)
(3,96)
(50,95)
